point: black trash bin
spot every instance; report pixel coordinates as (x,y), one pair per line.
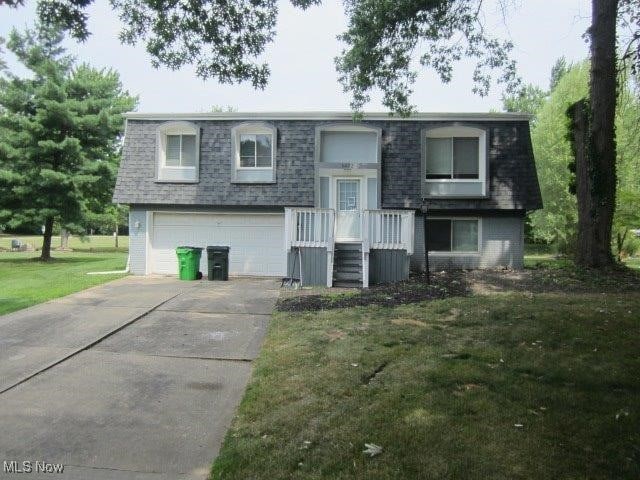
(218,263)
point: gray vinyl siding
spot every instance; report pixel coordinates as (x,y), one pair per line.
(501,245)
(314,265)
(137,241)
(387,266)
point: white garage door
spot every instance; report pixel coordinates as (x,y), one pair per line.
(256,241)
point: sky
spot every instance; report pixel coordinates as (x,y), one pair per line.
(303,76)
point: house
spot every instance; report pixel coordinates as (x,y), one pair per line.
(341,202)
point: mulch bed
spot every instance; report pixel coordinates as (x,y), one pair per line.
(416,289)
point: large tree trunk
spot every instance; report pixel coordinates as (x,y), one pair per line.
(597,199)
(46,239)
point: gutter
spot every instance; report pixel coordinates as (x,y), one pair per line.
(331,116)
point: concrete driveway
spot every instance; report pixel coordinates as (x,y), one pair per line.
(135,379)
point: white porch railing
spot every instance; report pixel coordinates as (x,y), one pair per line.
(311,227)
(308,227)
(389,229)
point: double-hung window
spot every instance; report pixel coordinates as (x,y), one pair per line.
(180,151)
(254,153)
(453,235)
(255,150)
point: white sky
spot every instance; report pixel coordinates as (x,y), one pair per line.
(303,76)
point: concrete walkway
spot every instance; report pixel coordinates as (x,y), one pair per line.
(135,379)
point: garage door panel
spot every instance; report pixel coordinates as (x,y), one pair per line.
(256,241)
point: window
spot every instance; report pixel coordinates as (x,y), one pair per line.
(454,162)
(453,158)
(254,157)
(349,146)
(178,152)
(453,235)
(181,151)
(255,150)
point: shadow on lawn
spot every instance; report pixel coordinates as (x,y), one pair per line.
(52,261)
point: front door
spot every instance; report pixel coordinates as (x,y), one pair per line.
(348,210)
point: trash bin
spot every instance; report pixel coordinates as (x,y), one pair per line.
(188,262)
(218,263)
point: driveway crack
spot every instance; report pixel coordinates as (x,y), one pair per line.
(87,346)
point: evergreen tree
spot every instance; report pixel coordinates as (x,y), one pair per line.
(60,128)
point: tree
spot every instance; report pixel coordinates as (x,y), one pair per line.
(627,217)
(558,71)
(528,100)
(107,221)
(59,135)
(557,222)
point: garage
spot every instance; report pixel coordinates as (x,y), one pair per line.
(256,240)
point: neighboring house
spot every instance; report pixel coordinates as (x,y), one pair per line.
(345,200)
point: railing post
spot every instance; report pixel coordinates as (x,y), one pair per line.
(330,246)
(365,249)
(287,229)
(410,232)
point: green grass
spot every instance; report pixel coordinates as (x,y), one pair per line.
(633,262)
(456,378)
(89,243)
(24,281)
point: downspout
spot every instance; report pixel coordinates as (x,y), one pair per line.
(113,272)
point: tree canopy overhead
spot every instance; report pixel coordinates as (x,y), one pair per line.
(225,40)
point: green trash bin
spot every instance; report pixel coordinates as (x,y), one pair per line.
(188,262)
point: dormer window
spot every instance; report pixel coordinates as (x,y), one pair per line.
(178,152)
(454,162)
(254,153)
(255,150)
(181,151)
(453,158)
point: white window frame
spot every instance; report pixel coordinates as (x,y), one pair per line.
(347,128)
(164,159)
(438,253)
(459,132)
(240,134)
(177,173)
(253,174)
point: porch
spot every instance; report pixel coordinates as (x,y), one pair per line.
(352,248)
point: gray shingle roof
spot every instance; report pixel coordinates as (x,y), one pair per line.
(513,180)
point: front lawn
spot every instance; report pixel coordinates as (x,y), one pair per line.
(25,281)
(510,382)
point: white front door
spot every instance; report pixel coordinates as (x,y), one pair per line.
(348,210)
